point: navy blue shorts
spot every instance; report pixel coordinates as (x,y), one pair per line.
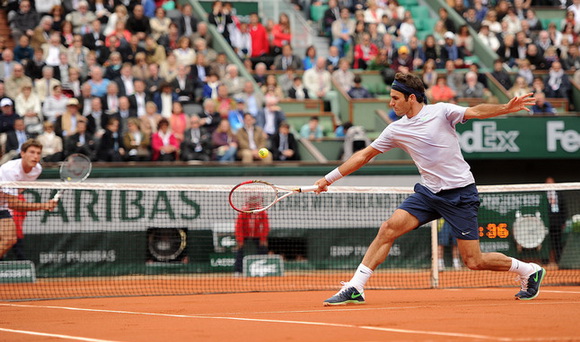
(4,214)
(445,236)
(457,206)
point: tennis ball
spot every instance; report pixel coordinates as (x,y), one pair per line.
(68,178)
(263,153)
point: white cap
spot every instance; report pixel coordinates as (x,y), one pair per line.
(5,102)
(449,35)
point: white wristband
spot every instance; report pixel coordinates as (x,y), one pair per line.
(333,176)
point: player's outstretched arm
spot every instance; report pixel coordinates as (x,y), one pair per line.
(355,162)
(15,204)
(484,111)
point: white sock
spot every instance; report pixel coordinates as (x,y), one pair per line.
(522,268)
(360,278)
(456,263)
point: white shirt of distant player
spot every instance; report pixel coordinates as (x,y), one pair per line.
(431,140)
(12,172)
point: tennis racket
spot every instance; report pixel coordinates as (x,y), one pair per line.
(256,196)
(75,169)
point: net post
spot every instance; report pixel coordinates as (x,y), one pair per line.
(434,256)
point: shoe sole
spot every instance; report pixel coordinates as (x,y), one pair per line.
(539,284)
(343,303)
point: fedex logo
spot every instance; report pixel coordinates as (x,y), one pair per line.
(484,137)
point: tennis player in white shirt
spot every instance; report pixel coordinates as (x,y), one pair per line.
(27,168)
(447,189)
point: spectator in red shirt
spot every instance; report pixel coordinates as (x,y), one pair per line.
(251,229)
(260,44)
(364,52)
(281,33)
(164,143)
(440,92)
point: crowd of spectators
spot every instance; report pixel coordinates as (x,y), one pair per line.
(382,35)
(123,80)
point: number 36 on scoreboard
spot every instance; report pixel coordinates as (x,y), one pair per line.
(493,231)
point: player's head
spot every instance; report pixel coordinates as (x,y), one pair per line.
(30,152)
(407,94)
(409,84)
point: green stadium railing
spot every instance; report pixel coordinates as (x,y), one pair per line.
(362,112)
(310,106)
(326,121)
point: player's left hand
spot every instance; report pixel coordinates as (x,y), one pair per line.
(50,205)
(521,102)
(322,185)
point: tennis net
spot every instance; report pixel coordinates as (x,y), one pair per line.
(147,239)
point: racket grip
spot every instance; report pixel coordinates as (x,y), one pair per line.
(310,188)
(57,196)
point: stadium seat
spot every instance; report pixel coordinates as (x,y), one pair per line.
(420,13)
(317,12)
(472,60)
(546,23)
(408,3)
(421,35)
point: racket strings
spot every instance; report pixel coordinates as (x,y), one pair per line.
(253,196)
(75,169)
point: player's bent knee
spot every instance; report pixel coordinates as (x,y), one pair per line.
(474,264)
(387,233)
(8,242)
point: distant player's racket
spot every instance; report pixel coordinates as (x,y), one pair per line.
(255,196)
(75,169)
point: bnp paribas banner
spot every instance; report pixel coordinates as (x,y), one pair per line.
(521,137)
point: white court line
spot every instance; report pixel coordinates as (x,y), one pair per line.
(64,337)
(337,325)
(554,291)
(543,291)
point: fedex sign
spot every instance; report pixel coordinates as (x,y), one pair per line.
(568,140)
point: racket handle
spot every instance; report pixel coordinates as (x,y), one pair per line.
(57,196)
(310,188)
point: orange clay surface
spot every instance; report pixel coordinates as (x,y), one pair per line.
(389,315)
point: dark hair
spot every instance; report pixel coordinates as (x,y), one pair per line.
(346,126)
(414,82)
(30,143)
(357,79)
(162,122)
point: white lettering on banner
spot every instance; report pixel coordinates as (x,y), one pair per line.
(569,139)
(77,257)
(504,203)
(484,137)
(16,274)
(359,251)
(222,262)
(502,246)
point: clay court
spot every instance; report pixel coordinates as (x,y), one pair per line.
(389,315)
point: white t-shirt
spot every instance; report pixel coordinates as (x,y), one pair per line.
(431,140)
(12,172)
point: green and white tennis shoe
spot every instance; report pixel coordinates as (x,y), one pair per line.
(531,285)
(347,295)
